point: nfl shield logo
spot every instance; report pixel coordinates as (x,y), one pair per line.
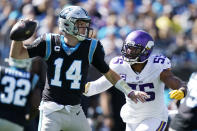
(137,78)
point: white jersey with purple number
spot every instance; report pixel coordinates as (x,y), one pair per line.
(149,81)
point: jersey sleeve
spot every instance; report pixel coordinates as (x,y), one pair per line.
(98,59)
(161,61)
(38,47)
(115,62)
(166,64)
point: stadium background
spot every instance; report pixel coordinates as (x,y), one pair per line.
(172,23)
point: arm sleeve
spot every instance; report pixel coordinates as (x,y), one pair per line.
(38,47)
(98,59)
(98,86)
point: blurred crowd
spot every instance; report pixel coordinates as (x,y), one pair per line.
(172,23)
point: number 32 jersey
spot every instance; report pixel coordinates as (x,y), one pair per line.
(67,66)
(149,81)
(16,87)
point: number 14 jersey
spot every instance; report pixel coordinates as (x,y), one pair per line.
(67,66)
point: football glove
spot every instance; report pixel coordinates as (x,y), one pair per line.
(176,94)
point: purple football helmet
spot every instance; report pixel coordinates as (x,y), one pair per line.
(137,47)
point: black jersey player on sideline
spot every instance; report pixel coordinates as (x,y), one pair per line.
(16,89)
(68,56)
(186,118)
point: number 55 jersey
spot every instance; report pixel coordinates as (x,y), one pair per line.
(16,87)
(148,80)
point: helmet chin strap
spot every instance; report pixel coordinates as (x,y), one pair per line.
(130,62)
(134,61)
(139,62)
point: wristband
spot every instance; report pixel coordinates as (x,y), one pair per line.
(123,87)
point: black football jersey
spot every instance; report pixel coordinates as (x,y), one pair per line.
(15,88)
(67,66)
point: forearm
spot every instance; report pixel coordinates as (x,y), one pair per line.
(97,86)
(112,76)
(18,51)
(176,84)
(119,83)
(173,82)
(104,83)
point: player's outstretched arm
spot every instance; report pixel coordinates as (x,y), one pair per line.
(112,78)
(121,85)
(179,88)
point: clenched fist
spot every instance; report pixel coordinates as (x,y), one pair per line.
(176,94)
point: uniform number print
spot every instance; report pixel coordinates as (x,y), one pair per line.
(11,94)
(73,73)
(159,59)
(145,88)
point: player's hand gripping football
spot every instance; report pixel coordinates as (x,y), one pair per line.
(176,94)
(23,29)
(138,96)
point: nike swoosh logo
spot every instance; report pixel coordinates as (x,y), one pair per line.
(77,113)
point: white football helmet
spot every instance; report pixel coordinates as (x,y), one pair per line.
(68,18)
(19,63)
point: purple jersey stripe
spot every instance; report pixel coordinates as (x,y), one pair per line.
(163,127)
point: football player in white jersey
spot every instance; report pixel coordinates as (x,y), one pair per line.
(143,72)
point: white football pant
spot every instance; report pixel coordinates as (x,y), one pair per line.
(151,124)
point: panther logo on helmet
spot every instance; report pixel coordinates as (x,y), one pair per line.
(68,18)
(137,47)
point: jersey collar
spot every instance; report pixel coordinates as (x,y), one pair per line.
(68,50)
